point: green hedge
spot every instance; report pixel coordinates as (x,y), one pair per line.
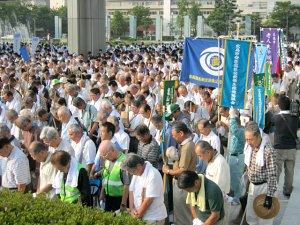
(17,208)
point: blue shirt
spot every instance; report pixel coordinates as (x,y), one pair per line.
(237,138)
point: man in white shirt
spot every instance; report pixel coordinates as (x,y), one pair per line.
(206,134)
(50,137)
(184,95)
(278,85)
(95,98)
(108,110)
(120,135)
(17,174)
(217,170)
(84,147)
(39,152)
(64,116)
(145,111)
(11,101)
(146,192)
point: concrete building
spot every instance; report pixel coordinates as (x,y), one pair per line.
(166,8)
(262,7)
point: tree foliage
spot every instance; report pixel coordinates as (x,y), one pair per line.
(118,23)
(221,18)
(194,12)
(284,15)
(183,7)
(42,17)
(142,15)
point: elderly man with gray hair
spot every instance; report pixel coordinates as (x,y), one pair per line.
(260,159)
(84,147)
(146,192)
(39,152)
(50,137)
(108,109)
(5,133)
(65,116)
(72,91)
(87,116)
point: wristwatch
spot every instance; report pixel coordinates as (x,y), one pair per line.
(123,205)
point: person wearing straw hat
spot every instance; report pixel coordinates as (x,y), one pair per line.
(204,197)
(260,159)
(146,192)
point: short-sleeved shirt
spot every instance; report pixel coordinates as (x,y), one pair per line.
(64,145)
(214,201)
(47,174)
(17,170)
(151,182)
(88,116)
(187,156)
(85,150)
(149,151)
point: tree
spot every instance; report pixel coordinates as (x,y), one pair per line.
(182,11)
(221,18)
(284,15)
(255,23)
(118,23)
(194,11)
(142,15)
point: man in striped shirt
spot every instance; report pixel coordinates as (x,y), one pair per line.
(260,159)
(148,148)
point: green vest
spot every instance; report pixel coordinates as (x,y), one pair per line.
(70,194)
(112,182)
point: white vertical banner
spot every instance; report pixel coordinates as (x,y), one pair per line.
(158,28)
(56,27)
(200,26)
(59,27)
(187,26)
(17,42)
(34,44)
(132,27)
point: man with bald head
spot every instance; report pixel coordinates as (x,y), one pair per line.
(115,183)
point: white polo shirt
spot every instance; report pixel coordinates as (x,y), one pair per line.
(212,139)
(152,184)
(85,150)
(17,170)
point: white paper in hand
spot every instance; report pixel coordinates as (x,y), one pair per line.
(197,222)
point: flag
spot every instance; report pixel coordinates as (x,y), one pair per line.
(259,106)
(268,80)
(278,68)
(270,38)
(34,44)
(202,62)
(282,50)
(259,79)
(17,43)
(260,58)
(24,54)
(236,73)
(169,91)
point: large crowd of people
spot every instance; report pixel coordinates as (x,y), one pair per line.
(69,119)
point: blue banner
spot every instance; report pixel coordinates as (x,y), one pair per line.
(260,58)
(237,70)
(259,106)
(201,64)
(24,54)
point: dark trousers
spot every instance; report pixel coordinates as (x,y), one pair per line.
(112,203)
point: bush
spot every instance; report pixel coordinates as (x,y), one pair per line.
(17,208)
